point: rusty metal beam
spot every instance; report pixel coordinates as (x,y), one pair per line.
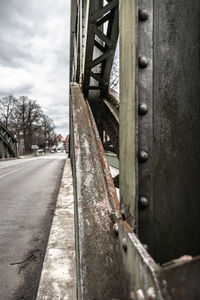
(101,229)
(96,200)
(102,235)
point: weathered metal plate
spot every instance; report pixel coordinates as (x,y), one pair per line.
(172,228)
(99,261)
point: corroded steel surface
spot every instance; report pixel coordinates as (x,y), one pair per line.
(159,151)
(170,177)
(112,262)
(96,199)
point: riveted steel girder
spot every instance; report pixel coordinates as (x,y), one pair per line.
(100,46)
(169,127)
(159,152)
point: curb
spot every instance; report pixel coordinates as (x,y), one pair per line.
(58,277)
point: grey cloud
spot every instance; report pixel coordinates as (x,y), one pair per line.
(16,91)
(34,42)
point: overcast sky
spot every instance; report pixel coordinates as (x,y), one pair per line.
(34,54)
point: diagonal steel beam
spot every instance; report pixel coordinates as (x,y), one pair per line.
(104,42)
(99,13)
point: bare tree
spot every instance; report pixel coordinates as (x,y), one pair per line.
(7,106)
(114,77)
(48,130)
(25,118)
(34,114)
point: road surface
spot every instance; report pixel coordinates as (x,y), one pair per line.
(28,194)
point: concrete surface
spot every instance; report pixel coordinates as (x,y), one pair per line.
(58,279)
(28,195)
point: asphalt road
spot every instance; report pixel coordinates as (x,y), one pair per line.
(28,194)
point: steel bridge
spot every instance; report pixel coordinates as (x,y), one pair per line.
(8,144)
(147,244)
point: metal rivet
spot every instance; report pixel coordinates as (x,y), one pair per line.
(116,229)
(139,295)
(143,109)
(143,14)
(124,244)
(131,296)
(150,294)
(143,62)
(143,156)
(143,202)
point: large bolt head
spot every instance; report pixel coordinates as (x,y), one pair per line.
(143,62)
(116,229)
(143,14)
(124,244)
(143,109)
(150,294)
(143,202)
(140,295)
(143,156)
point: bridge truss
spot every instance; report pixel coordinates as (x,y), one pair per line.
(8,144)
(127,248)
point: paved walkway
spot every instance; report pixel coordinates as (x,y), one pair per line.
(57,280)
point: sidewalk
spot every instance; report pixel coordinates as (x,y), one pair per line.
(58,278)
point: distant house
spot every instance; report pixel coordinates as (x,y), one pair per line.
(60,142)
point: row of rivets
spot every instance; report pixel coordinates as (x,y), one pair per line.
(143,63)
(143,108)
(116,232)
(143,16)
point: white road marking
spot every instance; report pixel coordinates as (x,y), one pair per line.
(14,171)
